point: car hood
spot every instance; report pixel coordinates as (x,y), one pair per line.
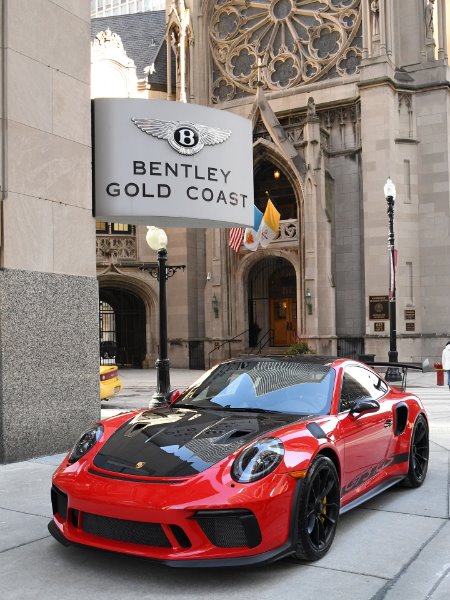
(183,442)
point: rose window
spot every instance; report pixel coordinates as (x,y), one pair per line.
(282,43)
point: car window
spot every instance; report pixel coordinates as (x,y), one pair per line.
(267,384)
(359,383)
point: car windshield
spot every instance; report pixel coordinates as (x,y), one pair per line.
(303,388)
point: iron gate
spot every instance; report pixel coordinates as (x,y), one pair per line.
(122,328)
(350,347)
(197,355)
(108,338)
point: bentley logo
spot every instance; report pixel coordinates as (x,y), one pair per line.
(184,137)
(139,465)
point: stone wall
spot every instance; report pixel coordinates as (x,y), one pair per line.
(49,380)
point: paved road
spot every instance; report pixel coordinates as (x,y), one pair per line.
(395,547)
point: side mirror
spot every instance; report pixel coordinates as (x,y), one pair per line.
(364,405)
(172,396)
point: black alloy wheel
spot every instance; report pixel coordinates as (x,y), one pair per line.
(318,510)
(418,454)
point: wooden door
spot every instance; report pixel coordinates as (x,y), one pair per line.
(283,321)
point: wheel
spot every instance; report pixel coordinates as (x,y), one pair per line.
(418,454)
(317,510)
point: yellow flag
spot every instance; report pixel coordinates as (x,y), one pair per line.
(269,225)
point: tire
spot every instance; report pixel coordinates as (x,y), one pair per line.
(418,454)
(317,510)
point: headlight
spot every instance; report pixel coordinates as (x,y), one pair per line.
(258,460)
(86,442)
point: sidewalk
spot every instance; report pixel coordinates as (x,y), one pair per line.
(181,378)
(146,378)
(395,547)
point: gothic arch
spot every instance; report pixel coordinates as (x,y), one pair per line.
(267,150)
(179,41)
(252,258)
(242,275)
(139,287)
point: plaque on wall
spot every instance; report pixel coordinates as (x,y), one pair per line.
(410,314)
(379,326)
(378,308)
(410,326)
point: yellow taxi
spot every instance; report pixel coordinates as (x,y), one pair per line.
(110,383)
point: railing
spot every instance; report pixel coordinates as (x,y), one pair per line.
(223,344)
(263,341)
(288,232)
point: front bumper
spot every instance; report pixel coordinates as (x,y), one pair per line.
(238,525)
(110,387)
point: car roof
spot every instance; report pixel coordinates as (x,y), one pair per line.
(297,358)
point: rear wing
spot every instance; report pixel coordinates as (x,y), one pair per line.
(394,369)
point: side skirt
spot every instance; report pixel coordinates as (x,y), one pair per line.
(370,494)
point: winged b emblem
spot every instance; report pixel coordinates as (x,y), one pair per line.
(184,137)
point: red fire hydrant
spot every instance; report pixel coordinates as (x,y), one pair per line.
(439,373)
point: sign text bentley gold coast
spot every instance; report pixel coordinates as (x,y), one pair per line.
(171,164)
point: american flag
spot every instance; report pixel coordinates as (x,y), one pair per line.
(236,237)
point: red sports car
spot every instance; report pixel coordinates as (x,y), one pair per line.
(253,462)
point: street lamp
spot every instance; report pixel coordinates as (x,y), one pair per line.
(392,374)
(308,298)
(157,240)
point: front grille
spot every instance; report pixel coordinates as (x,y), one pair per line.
(132,532)
(230,528)
(180,536)
(158,480)
(59,502)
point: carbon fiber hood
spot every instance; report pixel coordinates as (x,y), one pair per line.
(183,442)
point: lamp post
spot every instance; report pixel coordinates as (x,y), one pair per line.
(308,298)
(392,374)
(157,240)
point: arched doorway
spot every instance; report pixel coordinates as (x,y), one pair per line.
(122,327)
(272,302)
(271,181)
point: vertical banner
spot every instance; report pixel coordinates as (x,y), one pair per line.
(393,273)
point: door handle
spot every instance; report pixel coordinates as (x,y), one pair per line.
(388,423)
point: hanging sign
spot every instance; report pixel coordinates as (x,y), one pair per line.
(171,164)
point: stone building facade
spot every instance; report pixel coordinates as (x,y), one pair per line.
(342,94)
(49,382)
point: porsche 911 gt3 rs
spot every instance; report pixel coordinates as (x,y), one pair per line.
(253,462)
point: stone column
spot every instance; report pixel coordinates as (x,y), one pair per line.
(321,323)
(366,36)
(169,67)
(442,36)
(49,347)
(429,30)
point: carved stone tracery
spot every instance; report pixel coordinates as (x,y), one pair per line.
(108,44)
(119,247)
(340,127)
(281,43)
